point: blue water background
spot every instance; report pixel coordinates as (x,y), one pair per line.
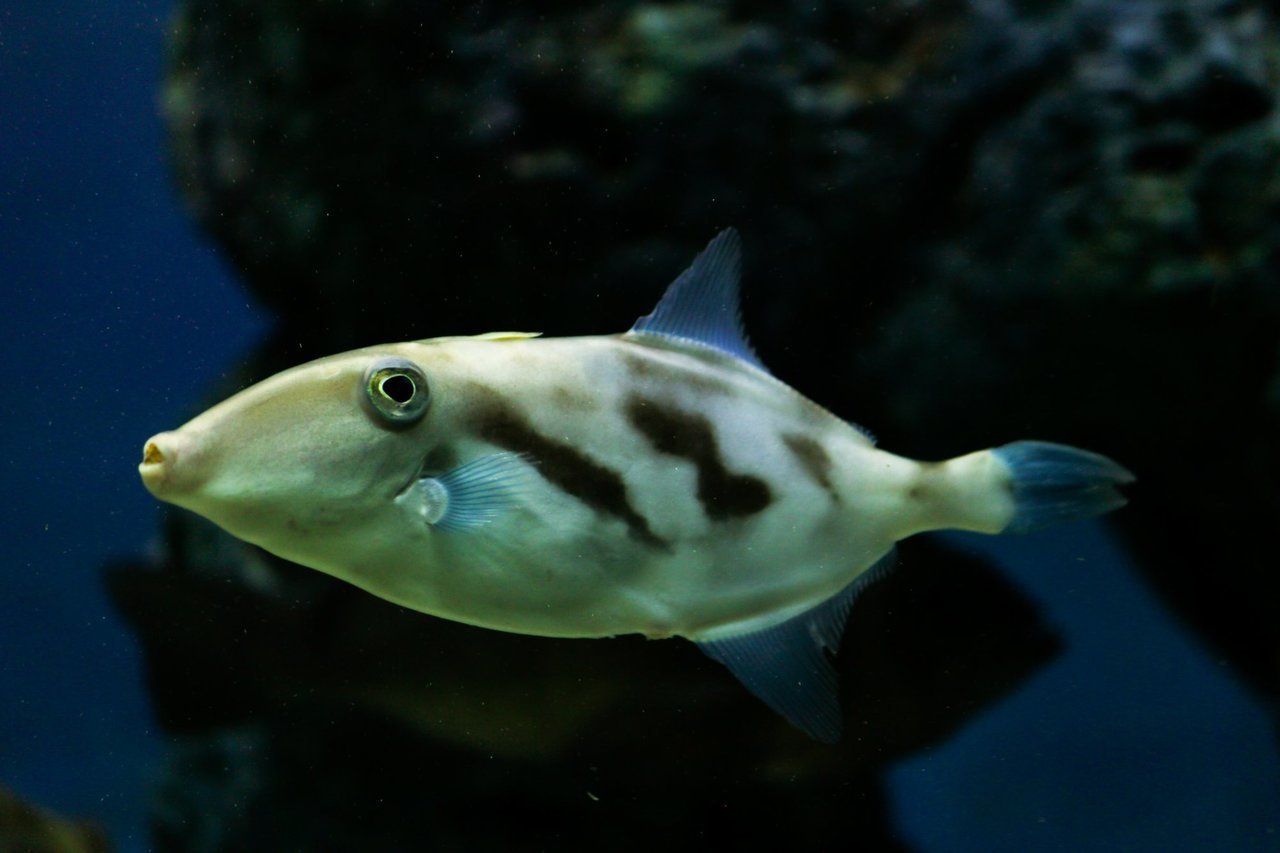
(1133,739)
(118,316)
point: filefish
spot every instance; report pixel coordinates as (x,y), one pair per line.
(659,481)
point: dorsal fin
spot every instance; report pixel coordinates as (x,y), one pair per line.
(701,305)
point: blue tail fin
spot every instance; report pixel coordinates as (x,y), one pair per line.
(1053,483)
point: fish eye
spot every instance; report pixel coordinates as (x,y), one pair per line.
(396,390)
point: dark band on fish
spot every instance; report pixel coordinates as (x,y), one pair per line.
(642,365)
(814,459)
(564,466)
(723,495)
(441,459)
(572,398)
(920,488)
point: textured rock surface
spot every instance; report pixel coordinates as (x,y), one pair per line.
(965,223)
(24,827)
(1107,274)
(304,709)
(484,166)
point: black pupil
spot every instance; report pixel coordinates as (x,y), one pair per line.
(399,388)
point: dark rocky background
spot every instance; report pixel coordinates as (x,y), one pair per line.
(965,222)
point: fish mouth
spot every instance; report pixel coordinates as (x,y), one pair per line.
(152,454)
(159,458)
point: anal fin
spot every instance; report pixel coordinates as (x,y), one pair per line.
(786,665)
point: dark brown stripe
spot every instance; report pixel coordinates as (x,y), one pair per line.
(813,457)
(573,398)
(439,461)
(723,495)
(562,465)
(919,490)
(642,365)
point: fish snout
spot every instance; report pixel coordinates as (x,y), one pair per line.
(169,466)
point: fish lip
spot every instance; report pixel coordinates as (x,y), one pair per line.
(159,456)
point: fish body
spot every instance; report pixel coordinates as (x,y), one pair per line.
(659,482)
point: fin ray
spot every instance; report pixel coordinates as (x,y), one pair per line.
(476,493)
(786,665)
(702,304)
(1054,483)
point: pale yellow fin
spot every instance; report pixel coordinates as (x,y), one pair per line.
(487,336)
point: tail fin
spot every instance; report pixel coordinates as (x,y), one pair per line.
(1053,483)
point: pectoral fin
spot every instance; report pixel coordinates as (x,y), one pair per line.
(474,494)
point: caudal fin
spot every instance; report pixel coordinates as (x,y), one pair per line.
(1054,483)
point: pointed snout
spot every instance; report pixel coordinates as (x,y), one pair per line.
(170,465)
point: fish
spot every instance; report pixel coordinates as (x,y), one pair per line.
(660,481)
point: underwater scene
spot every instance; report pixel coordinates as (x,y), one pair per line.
(633,426)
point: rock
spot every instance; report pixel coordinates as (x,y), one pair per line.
(966,223)
(28,828)
(303,708)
